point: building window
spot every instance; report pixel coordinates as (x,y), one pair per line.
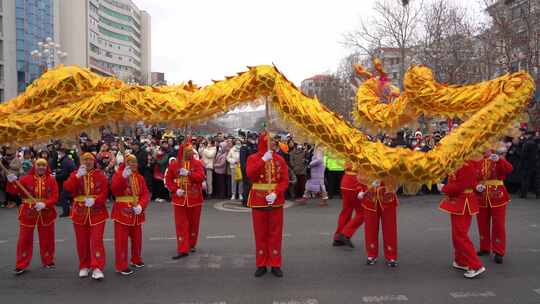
(1,49)
(2,93)
(1,10)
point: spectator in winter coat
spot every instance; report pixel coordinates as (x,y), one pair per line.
(297,158)
(233,158)
(315,184)
(220,169)
(208,158)
(64,167)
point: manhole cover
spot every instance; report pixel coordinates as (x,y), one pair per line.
(233,206)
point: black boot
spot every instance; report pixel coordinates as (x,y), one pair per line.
(180,255)
(498,259)
(276,271)
(338,243)
(260,272)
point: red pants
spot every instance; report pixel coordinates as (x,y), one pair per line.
(268,230)
(492,229)
(121,234)
(388,219)
(90,245)
(25,245)
(187,221)
(464,253)
(348,225)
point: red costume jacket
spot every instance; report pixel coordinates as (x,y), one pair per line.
(43,189)
(129,193)
(266,177)
(379,196)
(350,182)
(191,184)
(492,175)
(93,184)
(460,197)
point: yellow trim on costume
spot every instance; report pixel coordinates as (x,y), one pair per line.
(127,199)
(493,182)
(264,187)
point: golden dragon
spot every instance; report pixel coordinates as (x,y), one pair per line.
(66,100)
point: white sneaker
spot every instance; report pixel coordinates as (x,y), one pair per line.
(457,266)
(97,274)
(83,273)
(232,197)
(471,273)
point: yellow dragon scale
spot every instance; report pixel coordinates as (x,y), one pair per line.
(67,100)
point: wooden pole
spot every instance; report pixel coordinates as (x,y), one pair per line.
(18,183)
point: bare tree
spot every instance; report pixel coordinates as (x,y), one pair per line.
(447,44)
(393,26)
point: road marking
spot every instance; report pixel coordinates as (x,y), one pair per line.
(385,298)
(160,238)
(534,250)
(537,290)
(229,236)
(3,241)
(533,226)
(471,294)
(292,301)
(325,233)
(108,240)
(231,206)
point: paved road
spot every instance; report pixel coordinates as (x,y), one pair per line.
(315,272)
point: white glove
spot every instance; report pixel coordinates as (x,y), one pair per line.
(81,172)
(89,201)
(127,172)
(11,177)
(376,183)
(271,198)
(137,209)
(480,188)
(494,157)
(361,195)
(267,156)
(183,172)
(439,187)
(40,206)
(180,192)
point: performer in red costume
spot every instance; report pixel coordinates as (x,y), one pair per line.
(184,179)
(35,211)
(493,201)
(268,173)
(89,187)
(131,199)
(461,202)
(352,201)
(380,205)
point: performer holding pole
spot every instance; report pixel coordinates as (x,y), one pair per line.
(493,201)
(268,173)
(184,180)
(89,187)
(380,204)
(131,199)
(352,191)
(39,193)
(461,202)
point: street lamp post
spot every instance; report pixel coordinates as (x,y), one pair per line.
(48,53)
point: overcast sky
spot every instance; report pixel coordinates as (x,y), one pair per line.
(208,39)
